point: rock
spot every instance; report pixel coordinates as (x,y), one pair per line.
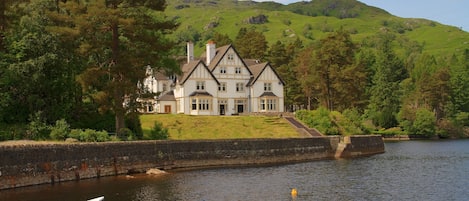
(154,171)
(260,19)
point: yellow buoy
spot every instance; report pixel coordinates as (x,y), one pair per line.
(294,193)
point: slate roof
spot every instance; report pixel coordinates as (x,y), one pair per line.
(267,93)
(257,70)
(200,93)
(188,69)
(169,96)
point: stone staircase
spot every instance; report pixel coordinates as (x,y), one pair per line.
(299,126)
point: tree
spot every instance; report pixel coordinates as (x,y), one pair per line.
(277,55)
(38,78)
(251,44)
(281,56)
(385,92)
(459,84)
(221,39)
(118,38)
(337,78)
(304,73)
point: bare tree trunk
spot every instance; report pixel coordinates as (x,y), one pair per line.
(117,77)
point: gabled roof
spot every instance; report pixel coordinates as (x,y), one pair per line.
(169,96)
(220,53)
(159,75)
(257,70)
(188,69)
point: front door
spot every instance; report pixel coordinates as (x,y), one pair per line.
(222,109)
(167,109)
(240,109)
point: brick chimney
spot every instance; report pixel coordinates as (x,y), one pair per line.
(211,50)
(190,51)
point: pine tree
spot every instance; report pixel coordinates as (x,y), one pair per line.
(118,38)
(339,81)
(385,93)
(251,44)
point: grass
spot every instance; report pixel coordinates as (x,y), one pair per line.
(438,39)
(186,127)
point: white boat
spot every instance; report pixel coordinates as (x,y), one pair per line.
(97,199)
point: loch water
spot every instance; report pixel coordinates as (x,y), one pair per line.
(410,170)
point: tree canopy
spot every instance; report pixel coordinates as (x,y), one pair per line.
(118,38)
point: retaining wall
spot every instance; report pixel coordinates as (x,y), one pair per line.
(24,165)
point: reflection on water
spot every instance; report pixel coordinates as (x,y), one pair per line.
(416,170)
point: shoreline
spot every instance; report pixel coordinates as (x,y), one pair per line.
(29,163)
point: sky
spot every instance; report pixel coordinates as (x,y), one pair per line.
(449,12)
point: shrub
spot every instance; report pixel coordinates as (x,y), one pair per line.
(37,128)
(90,135)
(319,119)
(75,133)
(132,121)
(425,123)
(462,119)
(60,131)
(126,134)
(158,132)
(102,136)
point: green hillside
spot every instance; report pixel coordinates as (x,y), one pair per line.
(308,21)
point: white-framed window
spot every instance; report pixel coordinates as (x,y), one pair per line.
(202,103)
(271,104)
(222,87)
(239,87)
(200,85)
(222,69)
(268,104)
(230,57)
(262,104)
(238,70)
(194,104)
(267,86)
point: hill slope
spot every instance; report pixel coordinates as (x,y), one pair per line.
(308,21)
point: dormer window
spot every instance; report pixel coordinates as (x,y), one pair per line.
(238,70)
(200,85)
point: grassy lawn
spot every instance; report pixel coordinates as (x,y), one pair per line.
(186,127)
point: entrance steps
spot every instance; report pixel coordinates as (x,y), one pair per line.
(298,125)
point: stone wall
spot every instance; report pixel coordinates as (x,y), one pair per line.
(24,165)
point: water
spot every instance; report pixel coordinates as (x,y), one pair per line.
(414,170)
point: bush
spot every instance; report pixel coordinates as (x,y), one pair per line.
(60,131)
(462,119)
(158,132)
(90,135)
(37,128)
(75,133)
(319,119)
(132,121)
(425,123)
(126,134)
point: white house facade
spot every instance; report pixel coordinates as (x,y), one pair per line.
(222,83)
